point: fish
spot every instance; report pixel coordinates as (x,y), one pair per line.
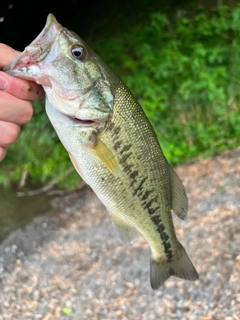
(111,144)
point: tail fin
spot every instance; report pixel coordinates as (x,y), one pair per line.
(180,267)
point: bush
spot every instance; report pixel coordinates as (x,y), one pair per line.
(183,71)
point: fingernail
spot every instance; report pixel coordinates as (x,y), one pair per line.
(3,82)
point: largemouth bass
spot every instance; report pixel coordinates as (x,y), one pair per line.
(110,143)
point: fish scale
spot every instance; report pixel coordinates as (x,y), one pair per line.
(111,144)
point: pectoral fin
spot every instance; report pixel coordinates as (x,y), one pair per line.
(179,197)
(106,156)
(127,235)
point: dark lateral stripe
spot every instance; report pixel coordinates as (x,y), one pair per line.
(133,174)
(125,148)
(146,194)
(148,204)
(127,168)
(125,157)
(167,245)
(164,237)
(151,211)
(117,145)
(139,188)
(156,220)
(160,228)
(168,250)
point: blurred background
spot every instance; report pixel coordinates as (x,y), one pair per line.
(181,60)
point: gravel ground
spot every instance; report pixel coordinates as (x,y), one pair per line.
(68,263)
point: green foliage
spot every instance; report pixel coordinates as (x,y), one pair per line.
(183,69)
(184,72)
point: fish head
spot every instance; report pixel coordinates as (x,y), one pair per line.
(76,81)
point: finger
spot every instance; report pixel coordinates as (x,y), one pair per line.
(7,54)
(15,110)
(3,152)
(9,133)
(22,89)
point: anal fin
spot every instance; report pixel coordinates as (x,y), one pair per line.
(128,235)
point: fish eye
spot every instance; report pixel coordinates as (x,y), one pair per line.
(78,52)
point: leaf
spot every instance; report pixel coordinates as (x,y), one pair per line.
(66,311)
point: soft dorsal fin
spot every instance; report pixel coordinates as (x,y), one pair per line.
(126,234)
(179,196)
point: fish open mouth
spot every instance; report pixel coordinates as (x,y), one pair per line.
(83,121)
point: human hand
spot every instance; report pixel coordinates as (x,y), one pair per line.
(16,96)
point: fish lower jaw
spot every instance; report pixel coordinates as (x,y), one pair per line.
(31,72)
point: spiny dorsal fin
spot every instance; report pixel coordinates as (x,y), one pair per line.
(179,197)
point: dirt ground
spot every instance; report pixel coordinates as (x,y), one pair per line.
(68,263)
